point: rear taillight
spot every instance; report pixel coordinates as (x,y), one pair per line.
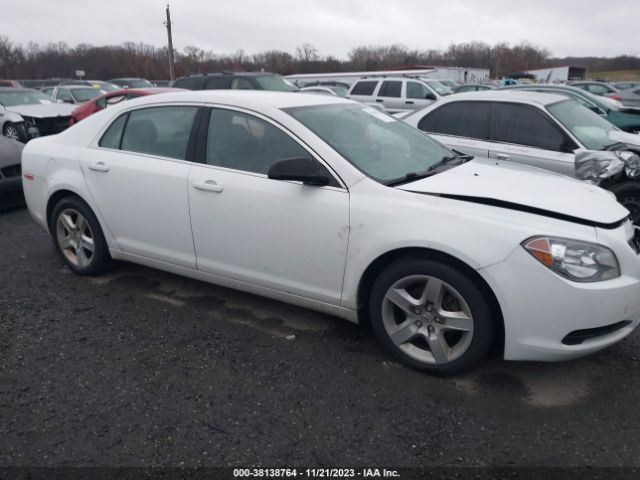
(615,97)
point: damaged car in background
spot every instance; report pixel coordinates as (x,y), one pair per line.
(542,130)
(26,113)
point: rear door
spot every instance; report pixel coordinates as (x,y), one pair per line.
(463,126)
(390,96)
(525,134)
(137,178)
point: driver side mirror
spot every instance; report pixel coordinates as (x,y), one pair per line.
(302,169)
(430,96)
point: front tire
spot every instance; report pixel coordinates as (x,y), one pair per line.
(78,237)
(15,131)
(431,316)
(628,194)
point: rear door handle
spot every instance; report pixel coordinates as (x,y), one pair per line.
(208,186)
(99,167)
(502,156)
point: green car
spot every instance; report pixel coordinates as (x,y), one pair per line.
(627,119)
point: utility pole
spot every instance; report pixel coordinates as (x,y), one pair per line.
(172,72)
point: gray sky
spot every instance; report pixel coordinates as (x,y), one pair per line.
(565,27)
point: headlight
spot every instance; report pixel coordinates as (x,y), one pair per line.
(573,259)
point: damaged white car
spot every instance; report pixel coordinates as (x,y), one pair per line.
(332,205)
(543,130)
(27,114)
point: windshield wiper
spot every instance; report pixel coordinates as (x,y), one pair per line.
(447,161)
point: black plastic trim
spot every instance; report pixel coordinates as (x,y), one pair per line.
(528,209)
(578,336)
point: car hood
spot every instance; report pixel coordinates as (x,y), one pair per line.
(518,187)
(44,110)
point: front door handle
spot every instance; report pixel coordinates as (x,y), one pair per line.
(409,102)
(379,100)
(99,167)
(502,156)
(208,185)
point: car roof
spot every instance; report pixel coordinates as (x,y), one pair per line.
(76,87)
(513,95)
(244,98)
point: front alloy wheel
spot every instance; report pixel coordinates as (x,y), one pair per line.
(427,319)
(12,131)
(432,315)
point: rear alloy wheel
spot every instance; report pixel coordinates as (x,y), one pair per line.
(14,132)
(431,316)
(78,237)
(628,194)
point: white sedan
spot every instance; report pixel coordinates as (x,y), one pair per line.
(335,206)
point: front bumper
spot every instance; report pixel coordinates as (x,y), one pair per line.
(541,309)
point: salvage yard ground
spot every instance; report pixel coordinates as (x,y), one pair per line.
(140,367)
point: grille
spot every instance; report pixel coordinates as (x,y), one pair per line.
(12,171)
(51,126)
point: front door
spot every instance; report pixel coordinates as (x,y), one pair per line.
(282,235)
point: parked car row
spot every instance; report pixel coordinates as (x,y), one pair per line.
(336,206)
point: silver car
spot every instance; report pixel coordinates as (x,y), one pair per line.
(394,94)
(630,97)
(542,130)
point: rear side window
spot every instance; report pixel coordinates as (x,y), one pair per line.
(162,131)
(111,138)
(364,88)
(390,88)
(461,119)
(243,142)
(525,125)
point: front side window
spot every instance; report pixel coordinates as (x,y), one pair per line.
(162,131)
(64,95)
(590,128)
(525,125)
(461,119)
(417,90)
(243,142)
(378,144)
(241,84)
(390,88)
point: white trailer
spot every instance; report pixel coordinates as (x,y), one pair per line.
(459,74)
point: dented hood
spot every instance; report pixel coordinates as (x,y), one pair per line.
(519,187)
(44,110)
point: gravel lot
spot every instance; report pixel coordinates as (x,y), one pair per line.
(143,368)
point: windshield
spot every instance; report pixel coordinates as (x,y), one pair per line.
(23,97)
(106,86)
(85,94)
(589,128)
(441,88)
(275,83)
(379,145)
(133,82)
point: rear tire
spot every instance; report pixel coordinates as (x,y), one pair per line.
(431,316)
(78,237)
(628,194)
